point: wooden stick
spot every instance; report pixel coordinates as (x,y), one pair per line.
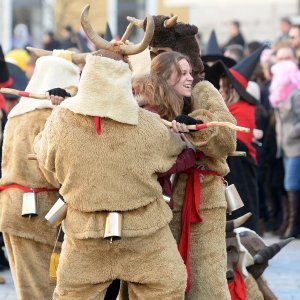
(22,93)
(238,153)
(211,124)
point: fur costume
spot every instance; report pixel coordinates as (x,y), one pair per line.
(114,170)
(208,248)
(24,237)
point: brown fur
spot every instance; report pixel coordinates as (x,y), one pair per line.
(208,249)
(252,289)
(19,134)
(121,149)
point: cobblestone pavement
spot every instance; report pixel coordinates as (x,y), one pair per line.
(282,275)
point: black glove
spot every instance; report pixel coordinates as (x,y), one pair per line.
(59,92)
(185,119)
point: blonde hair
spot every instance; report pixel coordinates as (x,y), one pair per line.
(164,98)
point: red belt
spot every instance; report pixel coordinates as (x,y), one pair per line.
(190,214)
(26,189)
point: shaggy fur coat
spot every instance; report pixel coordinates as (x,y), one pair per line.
(19,134)
(208,249)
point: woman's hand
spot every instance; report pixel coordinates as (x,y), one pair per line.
(57,95)
(179,127)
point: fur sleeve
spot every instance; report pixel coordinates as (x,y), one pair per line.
(44,147)
(208,105)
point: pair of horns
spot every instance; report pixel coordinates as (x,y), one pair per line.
(140,23)
(119,47)
(269,252)
(77,58)
(231,225)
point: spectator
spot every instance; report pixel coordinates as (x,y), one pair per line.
(284,27)
(236,37)
(67,38)
(294,40)
(49,41)
(285,98)
(21,37)
(235,52)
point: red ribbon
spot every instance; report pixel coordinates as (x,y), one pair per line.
(237,287)
(26,189)
(97,123)
(190,214)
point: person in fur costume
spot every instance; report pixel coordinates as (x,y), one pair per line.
(30,241)
(105,152)
(201,244)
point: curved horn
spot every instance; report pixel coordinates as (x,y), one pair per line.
(90,31)
(79,58)
(127,33)
(232,224)
(170,22)
(39,52)
(136,22)
(241,220)
(134,49)
(270,251)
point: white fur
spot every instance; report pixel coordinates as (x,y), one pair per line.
(50,72)
(105,90)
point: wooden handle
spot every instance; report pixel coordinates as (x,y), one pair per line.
(22,93)
(211,124)
(238,153)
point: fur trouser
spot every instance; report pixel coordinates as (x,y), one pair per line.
(252,289)
(29,264)
(151,265)
(208,258)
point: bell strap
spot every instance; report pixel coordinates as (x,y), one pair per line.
(26,189)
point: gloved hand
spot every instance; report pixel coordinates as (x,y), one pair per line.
(59,92)
(185,119)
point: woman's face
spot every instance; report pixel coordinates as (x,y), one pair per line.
(184,86)
(224,88)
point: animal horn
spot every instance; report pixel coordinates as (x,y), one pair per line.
(232,224)
(39,52)
(90,31)
(170,22)
(270,251)
(136,22)
(134,49)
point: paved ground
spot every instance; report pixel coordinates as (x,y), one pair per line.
(283,274)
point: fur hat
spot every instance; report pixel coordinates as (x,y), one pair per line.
(50,72)
(105,91)
(181,38)
(238,75)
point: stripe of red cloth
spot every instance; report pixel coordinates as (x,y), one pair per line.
(190,214)
(239,77)
(97,123)
(237,287)
(24,94)
(201,126)
(26,189)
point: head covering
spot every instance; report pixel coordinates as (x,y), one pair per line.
(50,72)
(11,76)
(19,57)
(181,38)
(108,96)
(108,35)
(238,75)
(254,90)
(286,78)
(213,52)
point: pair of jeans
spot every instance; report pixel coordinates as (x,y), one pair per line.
(292,173)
